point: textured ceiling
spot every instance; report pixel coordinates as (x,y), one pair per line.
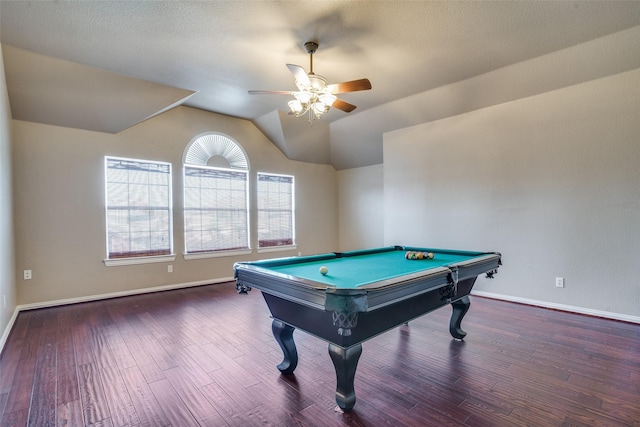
(219,50)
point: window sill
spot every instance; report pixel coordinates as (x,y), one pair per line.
(139,260)
(277,248)
(216,254)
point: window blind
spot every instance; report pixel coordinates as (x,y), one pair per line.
(215,209)
(275,210)
(138,205)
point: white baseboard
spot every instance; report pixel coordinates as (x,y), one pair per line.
(7,330)
(54,303)
(561,307)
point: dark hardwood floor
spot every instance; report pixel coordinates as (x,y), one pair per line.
(206,356)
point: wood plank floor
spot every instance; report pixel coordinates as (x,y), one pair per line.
(205,356)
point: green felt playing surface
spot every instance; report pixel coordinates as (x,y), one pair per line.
(353,271)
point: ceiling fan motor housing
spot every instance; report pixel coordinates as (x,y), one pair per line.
(318,82)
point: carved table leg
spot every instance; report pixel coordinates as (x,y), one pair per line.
(460,308)
(284,336)
(345,362)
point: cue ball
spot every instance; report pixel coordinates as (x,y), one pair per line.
(324,270)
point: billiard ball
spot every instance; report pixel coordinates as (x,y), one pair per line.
(324,270)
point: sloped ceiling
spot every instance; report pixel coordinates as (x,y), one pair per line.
(106,65)
(49,90)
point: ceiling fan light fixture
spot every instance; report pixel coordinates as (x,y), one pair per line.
(314,97)
(319,109)
(327,99)
(304,97)
(296,107)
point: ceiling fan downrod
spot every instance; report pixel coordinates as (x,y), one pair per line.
(311,47)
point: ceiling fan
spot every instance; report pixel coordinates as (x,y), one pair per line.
(314,96)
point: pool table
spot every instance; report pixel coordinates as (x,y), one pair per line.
(363,294)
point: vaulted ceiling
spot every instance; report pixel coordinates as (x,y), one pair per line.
(107,65)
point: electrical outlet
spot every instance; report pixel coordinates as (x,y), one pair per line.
(170,269)
(4,301)
(559,282)
(27,275)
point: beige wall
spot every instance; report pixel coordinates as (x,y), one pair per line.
(361,208)
(7,283)
(551,181)
(59,203)
(549,176)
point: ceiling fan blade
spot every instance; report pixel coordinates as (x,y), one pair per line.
(344,106)
(352,86)
(270,92)
(299,74)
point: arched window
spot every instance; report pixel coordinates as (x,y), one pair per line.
(216,210)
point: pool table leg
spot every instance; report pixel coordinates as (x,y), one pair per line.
(284,336)
(460,308)
(345,361)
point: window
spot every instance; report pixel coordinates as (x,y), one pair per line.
(138,208)
(215,209)
(275,210)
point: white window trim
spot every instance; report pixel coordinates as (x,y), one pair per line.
(216,254)
(277,248)
(139,260)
